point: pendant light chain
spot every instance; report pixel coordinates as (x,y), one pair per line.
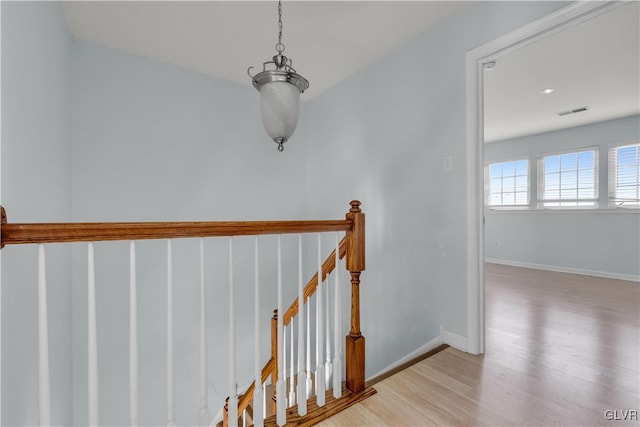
(280,45)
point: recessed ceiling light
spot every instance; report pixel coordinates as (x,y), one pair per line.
(547,91)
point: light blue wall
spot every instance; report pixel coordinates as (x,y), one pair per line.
(380,136)
(36,186)
(153,141)
(595,241)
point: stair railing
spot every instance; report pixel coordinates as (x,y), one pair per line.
(270,369)
(352,247)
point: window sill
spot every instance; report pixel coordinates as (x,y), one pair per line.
(562,211)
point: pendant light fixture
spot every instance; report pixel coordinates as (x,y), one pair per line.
(280,88)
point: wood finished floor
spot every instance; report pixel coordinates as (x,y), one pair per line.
(561,350)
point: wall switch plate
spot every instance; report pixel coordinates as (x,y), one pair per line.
(447,163)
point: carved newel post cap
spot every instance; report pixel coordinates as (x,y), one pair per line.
(355,206)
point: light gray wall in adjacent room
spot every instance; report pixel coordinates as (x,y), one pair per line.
(155,142)
(36,186)
(599,241)
(380,136)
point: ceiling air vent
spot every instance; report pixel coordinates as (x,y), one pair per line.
(575,110)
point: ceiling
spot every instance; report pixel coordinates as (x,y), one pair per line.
(327,40)
(594,64)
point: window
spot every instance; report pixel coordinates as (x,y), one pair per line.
(624,176)
(508,183)
(568,179)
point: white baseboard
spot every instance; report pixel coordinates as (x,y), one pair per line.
(437,341)
(454,340)
(571,270)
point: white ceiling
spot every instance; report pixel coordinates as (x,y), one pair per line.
(595,64)
(327,40)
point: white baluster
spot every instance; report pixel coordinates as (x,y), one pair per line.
(94,410)
(244,418)
(171,411)
(283,374)
(337,335)
(264,404)
(44,387)
(327,348)
(320,377)
(281,390)
(258,398)
(233,389)
(292,393)
(204,372)
(133,338)
(302,391)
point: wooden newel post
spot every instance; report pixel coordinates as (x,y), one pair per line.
(354,349)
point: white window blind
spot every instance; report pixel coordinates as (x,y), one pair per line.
(568,179)
(624,176)
(507,183)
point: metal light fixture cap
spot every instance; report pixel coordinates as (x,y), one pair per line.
(270,76)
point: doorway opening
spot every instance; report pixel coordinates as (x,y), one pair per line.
(476,61)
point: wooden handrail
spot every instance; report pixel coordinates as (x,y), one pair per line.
(246,398)
(351,246)
(15,234)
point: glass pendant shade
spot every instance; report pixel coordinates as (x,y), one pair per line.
(280,91)
(279,106)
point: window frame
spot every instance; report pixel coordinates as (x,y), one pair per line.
(487,184)
(591,203)
(612,168)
